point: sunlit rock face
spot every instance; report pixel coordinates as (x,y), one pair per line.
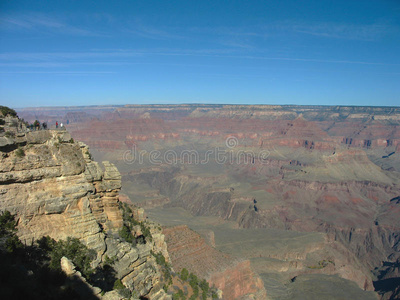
(52,185)
(57,190)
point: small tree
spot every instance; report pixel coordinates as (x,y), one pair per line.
(8,228)
(204,286)
(71,248)
(7,224)
(184,274)
(126,234)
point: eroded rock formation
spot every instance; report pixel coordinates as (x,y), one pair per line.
(54,187)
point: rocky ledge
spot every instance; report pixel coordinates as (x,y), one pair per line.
(54,188)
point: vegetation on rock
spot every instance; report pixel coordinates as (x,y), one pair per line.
(9,134)
(71,248)
(25,272)
(8,238)
(184,274)
(34,272)
(129,222)
(6,111)
(20,152)
(200,288)
(166,267)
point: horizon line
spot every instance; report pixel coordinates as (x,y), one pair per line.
(200,103)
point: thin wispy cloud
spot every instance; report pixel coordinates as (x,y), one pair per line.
(60,72)
(348,31)
(55,56)
(149,32)
(114,56)
(40,23)
(257,36)
(234,43)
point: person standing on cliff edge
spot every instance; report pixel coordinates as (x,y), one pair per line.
(56,124)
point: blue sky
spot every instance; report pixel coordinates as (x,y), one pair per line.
(252,52)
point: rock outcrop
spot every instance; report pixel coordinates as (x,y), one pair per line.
(77,281)
(55,189)
(51,184)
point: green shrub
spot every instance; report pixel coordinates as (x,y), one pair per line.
(126,234)
(129,222)
(7,224)
(160,259)
(26,273)
(8,111)
(204,286)
(110,261)
(146,231)
(184,274)
(118,284)
(8,229)
(73,249)
(122,290)
(127,214)
(166,267)
(9,134)
(179,295)
(175,296)
(204,296)
(20,152)
(193,280)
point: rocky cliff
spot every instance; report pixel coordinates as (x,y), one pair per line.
(55,189)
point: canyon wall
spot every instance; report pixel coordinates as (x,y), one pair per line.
(55,189)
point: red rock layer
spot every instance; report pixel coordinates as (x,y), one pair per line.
(189,250)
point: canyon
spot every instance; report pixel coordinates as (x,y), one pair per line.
(274,202)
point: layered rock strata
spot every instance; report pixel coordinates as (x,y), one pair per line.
(234,277)
(54,188)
